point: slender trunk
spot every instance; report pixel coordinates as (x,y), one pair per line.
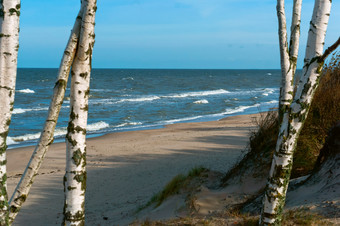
(291,126)
(295,34)
(75,175)
(46,138)
(9,45)
(287,79)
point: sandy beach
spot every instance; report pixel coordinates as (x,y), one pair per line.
(125,169)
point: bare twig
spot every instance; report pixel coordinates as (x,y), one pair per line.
(329,50)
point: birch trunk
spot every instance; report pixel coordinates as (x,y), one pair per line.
(9,45)
(75,175)
(288,55)
(291,126)
(295,34)
(286,94)
(46,138)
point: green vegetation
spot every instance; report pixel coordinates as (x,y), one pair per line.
(324,113)
(257,161)
(290,218)
(175,185)
(303,217)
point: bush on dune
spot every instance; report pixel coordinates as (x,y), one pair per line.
(324,113)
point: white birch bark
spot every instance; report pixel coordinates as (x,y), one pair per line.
(291,126)
(286,94)
(46,138)
(75,175)
(9,45)
(289,55)
(295,34)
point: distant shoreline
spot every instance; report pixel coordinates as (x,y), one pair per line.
(151,127)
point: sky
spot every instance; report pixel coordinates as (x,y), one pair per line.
(172,34)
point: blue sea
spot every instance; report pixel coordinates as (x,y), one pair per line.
(136,99)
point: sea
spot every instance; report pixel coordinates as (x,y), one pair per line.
(139,99)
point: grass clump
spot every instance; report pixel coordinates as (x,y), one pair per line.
(256,162)
(294,217)
(303,217)
(175,185)
(324,113)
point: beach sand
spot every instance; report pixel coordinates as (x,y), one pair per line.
(125,169)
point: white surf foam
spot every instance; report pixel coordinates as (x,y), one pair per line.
(10,141)
(268,91)
(128,78)
(172,121)
(97,126)
(239,109)
(141,99)
(25,91)
(272,102)
(22,110)
(129,124)
(201,102)
(200,93)
(58,132)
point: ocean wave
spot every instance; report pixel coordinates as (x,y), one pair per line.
(272,102)
(97,126)
(10,141)
(213,116)
(128,78)
(239,109)
(129,124)
(101,90)
(25,137)
(155,97)
(263,91)
(172,121)
(22,110)
(149,98)
(58,132)
(268,91)
(140,99)
(25,91)
(201,102)
(199,93)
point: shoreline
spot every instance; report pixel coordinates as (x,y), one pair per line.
(126,168)
(198,119)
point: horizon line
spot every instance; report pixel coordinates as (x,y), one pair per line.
(107,68)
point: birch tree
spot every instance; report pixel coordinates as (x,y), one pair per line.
(75,175)
(46,138)
(9,45)
(295,115)
(288,54)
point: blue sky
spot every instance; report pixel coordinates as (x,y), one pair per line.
(227,34)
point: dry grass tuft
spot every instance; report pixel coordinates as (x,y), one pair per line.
(324,113)
(175,185)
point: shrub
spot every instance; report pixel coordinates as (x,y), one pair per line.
(324,113)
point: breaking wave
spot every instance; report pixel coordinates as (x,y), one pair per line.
(25,91)
(201,102)
(57,133)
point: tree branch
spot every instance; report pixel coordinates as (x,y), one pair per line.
(329,51)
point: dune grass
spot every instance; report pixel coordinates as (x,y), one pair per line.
(300,216)
(324,113)
(174,186)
